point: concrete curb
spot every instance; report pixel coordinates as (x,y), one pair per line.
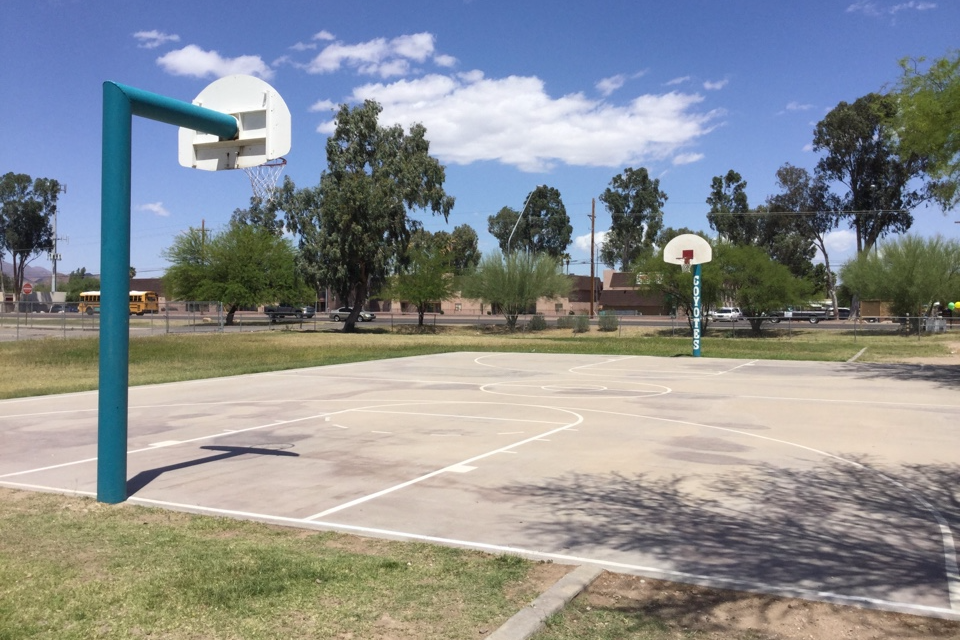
(857,357)
(530,619)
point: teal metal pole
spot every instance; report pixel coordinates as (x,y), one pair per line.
(114,296)
(697,310)
(120,104)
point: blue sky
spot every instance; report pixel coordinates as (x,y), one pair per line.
(513,94)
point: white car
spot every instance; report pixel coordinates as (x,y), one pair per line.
(343,313)
(726,314)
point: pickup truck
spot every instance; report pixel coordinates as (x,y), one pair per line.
(276,312)
(813,315)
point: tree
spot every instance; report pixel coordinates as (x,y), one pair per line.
(25,228)
(806,204)
(756,283)
(544,225)
(861,153)
(731,216)
(741,275)
(464,251)
(911,272)
(426,279)
(245,265)
(635,204)
(512,283)
(354,227)
(729,213)
(460,246)
(80,281)
(928,119)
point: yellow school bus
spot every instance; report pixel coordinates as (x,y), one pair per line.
(141,302)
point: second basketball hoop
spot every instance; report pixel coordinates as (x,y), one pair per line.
(690,251)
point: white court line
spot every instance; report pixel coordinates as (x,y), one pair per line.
(452,415)
(680,576)
(432,474)
(840,401)
(174,443)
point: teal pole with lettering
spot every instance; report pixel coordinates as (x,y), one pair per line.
(697,310)
(120,104)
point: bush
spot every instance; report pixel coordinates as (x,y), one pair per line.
(581,323)
(566,322)
(609,322)
(537,322)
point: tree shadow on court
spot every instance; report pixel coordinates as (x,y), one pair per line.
(839,528)
(944,375)
(144,478)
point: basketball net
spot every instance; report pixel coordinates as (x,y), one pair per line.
(685,265)
(264,178)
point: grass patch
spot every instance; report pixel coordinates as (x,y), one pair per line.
(75,568)
(59,366)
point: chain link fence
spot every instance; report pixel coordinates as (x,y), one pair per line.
(33,320)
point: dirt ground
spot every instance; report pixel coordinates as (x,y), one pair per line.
(717,614)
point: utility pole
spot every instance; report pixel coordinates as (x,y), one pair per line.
(593,220)
(54,256)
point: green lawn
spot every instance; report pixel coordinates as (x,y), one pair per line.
(58,366)
(71,568)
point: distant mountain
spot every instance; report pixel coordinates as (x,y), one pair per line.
(31,274)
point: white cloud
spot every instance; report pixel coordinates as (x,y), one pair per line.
(583,242)
(194,61)
(611,84)
(687,158)
(156,208)
(871,8)
(796,106)
(715,86)
(514,121)
(443,60)
(303,46)
(808,147)
(153,38)
(841,246)
(324,35)
(676,81)
(323,105)
(382,57)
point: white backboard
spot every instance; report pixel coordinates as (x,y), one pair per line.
(263,119)
(689,248)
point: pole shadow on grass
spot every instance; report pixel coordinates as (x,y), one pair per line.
(840,527)
(144,478)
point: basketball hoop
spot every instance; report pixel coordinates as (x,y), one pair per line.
(686,255)
(264,178)
(685,265)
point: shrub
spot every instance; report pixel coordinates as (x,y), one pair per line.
(609,322)
(581,323)
(566,322)
(537,322)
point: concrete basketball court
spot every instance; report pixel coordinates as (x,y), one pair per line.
(821,480)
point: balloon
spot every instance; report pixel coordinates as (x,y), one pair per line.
(951,306)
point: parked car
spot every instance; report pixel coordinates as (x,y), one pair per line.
(726,314)
(64,308)
(341,315)
(277,312)
(844,313)
(812,314)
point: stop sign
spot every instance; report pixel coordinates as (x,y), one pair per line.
(27,288)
